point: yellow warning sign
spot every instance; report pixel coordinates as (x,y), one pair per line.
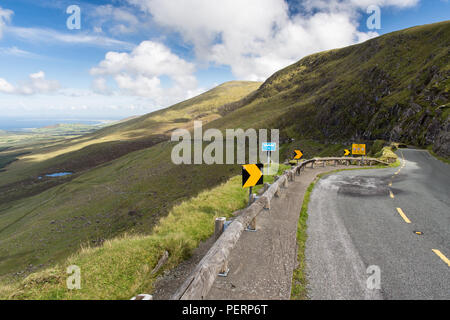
(359,149)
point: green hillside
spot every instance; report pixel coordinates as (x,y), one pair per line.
(395,87)
(120,183)
(79,154)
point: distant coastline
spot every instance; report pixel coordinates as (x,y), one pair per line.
(28,124)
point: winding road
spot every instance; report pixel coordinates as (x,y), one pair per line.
(381,233)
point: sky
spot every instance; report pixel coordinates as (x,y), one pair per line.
(131,57)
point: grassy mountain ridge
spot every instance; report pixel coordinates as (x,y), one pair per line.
(394,87)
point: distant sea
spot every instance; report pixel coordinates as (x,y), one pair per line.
(24,124)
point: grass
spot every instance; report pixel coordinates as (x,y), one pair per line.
(443,159)
(121,268)
(117,187)
(130,194)
(299,280)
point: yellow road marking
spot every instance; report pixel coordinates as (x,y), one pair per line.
(403,215)
(441,255)
(391,194)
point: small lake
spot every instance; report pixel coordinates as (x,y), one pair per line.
(58,174)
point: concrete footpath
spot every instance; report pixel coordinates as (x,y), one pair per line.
(262,263)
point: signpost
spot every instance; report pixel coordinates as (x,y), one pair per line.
(298,155)
(252,175)
(359,149)
(269,147)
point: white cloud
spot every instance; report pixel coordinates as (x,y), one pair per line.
(80,103)
(17,52)
(99,85)
(117,20)
(140,73)
(258,37)
(35,84)
(39,35)
(5,17)
(5,86)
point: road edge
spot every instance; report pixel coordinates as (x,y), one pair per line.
(299,286)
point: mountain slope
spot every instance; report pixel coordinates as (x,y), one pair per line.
(122,186)
(80,154)
(394,87)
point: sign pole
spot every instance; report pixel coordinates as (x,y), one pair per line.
(250,195)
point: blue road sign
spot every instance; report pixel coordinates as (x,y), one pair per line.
(269,146)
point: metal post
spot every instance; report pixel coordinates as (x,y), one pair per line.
(218,227)
(252,226)
(224,270)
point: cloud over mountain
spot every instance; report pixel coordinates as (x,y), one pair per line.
(258,37)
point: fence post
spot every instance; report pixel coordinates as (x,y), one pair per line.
(218,227)
(143,297)
(252,225)
(224,270)
(278,192)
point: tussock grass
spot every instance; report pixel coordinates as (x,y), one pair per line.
(388,155)
(299,280)
(443,159)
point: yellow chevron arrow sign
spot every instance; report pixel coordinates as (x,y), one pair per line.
(347,152)
(298,154)
(252,175)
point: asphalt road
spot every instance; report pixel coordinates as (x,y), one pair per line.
(355,222)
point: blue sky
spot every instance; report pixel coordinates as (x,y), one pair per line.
(136,56)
